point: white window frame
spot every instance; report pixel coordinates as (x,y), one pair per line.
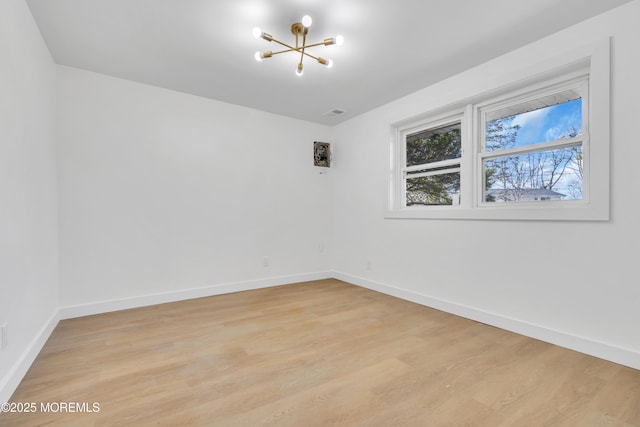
(578,81)
(592,61)
(403,132)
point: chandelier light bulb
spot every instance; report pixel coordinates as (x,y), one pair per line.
(339,40)
(306,21)
(263,55)
(257,32)
(299,71)
(326,62)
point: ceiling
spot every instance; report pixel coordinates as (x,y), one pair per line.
(205,47)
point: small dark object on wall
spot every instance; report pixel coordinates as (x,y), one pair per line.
(322,154)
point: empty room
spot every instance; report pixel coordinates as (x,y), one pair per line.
(306,213)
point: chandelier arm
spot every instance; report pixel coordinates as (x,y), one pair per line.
(309,55)
(304,41)
(314,45)
(295,50)
(286,45)
(284,51)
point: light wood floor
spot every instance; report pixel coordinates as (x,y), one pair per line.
(316,354)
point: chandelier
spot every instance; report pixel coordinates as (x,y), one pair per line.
(300,30)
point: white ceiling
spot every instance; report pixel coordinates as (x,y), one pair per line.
(205,47)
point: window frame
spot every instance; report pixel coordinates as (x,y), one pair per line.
(404,132)
(578,80)
(592,60)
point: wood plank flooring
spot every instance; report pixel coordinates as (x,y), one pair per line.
(322,353)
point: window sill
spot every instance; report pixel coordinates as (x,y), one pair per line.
(558,212)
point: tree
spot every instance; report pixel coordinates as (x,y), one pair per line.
(516,174)
(428,147)
(501,135)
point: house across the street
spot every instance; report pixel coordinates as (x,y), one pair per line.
(522,195)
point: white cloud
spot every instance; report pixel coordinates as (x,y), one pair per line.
(554,133)
(566,124)
(535,117)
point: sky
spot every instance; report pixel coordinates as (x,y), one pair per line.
(549,123)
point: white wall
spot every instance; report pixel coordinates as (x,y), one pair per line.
(163,192)
(28,207)
(573,283)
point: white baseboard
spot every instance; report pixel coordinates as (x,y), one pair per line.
(11,380)
(98,307)
(613,353)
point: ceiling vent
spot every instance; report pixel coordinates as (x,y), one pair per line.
(335,112)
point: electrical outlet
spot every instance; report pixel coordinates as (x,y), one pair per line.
(265,261)
(4,336)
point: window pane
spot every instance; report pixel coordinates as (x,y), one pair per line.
(542,120)
(434,190)
(537,176)
(434,145)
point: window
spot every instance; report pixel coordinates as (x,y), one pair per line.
(431,171)
(533,146)
(537,149)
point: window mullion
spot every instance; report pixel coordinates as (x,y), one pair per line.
(432,173)
(543,146)
(432,165)
(466,160)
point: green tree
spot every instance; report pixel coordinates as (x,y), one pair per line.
(500,134)
(428,147)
